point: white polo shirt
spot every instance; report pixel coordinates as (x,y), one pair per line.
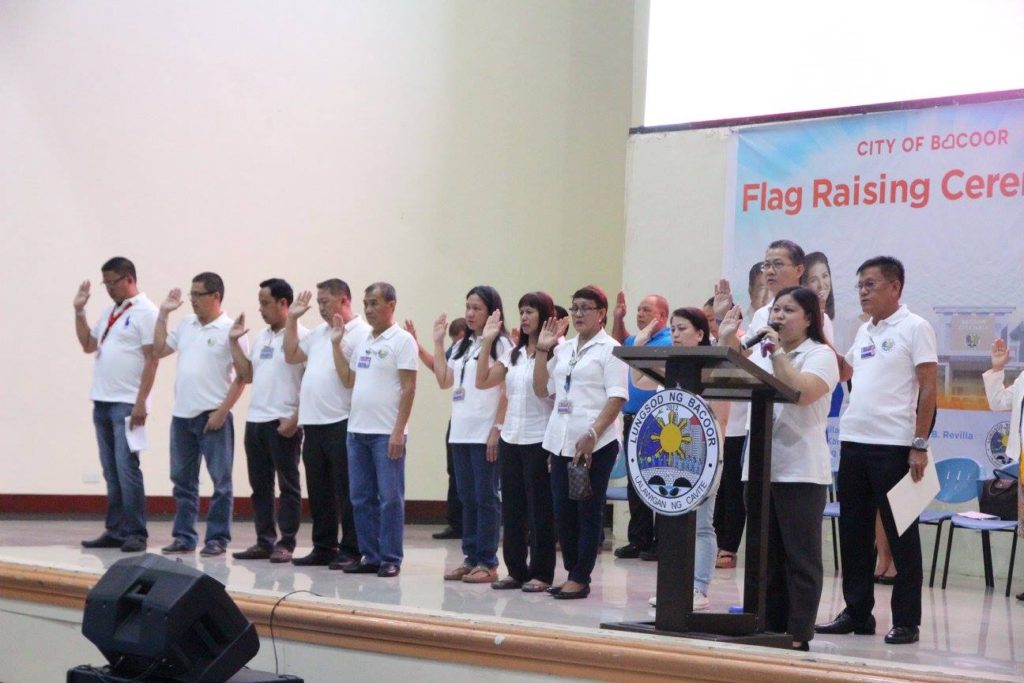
(474,415)
(378,388)
(597,376)
(323,399)
(119,358)
(884,357)
(526,418)
(205,369)
(275,382)
(799,448)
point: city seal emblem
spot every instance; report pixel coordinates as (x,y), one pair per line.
(673,452)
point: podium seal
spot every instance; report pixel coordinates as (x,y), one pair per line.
(673,452)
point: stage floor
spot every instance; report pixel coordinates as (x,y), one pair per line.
(964,629)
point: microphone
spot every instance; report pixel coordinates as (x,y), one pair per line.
(757,338)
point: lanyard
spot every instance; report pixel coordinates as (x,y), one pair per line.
(576,356)
(475,346)
(113,319)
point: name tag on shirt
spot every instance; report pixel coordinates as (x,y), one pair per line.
(867,351)
(267,352)
(363,362)
(565,407)
(459,394)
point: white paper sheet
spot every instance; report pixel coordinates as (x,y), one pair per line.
(909,498)
(137,439)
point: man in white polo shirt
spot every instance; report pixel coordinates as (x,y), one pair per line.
(205,390)
(883,434)
(122,340)
(381,369)
(324,404)
(272,435)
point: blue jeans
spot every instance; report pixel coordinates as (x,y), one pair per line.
(706,548)
(189,443)
(126,496)
(477,481)
(377,488)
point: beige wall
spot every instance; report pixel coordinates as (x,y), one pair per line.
(435,144)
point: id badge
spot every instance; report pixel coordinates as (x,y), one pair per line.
(364,362)
(267,352)
(867,351)
(459,394)
(565,407)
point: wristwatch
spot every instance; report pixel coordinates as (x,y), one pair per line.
(919,444)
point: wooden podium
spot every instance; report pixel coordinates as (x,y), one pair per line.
(715,373)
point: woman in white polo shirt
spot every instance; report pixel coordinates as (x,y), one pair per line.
(801,464)
(526,509)
(590,385)
(475,426)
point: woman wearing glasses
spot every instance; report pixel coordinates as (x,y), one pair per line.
(589,386)
(475,425)
(801,465)
(526,507)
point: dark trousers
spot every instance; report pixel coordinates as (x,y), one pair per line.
(526,512)
(267,454)
(730,506)
(579,521)
(866,473)
(325,458)
(454,513)
(640,531)
(793,590)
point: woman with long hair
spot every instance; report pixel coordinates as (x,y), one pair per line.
(476,423)
(801,464)
(526,507)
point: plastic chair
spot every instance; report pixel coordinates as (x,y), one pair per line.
(958,483)
(986,526)
(618,472)
(831,513)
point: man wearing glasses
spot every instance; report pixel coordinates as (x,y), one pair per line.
(205,390)
(122,340)
(884,434)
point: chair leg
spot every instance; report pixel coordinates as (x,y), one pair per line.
(935,552)
(835,545)
(986,551)
(949,547)
(1013,554)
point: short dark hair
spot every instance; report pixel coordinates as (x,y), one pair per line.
(891,267)
(336,286)
(796,252)
(698,320)
(386,289)
(120,265)
(808,301)
(211,282)
(457,327)
(710,301)
(279,289)
(560,312)
(755,270)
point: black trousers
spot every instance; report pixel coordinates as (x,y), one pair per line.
(730,505)
(579,521)
(267,454)
(454,512)
(527,512)
(866,473)
(325,457)
(640,531)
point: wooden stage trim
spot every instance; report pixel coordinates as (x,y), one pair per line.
(606,656)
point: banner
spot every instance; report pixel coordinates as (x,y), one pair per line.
(941,189)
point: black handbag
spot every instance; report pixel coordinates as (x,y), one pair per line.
(999,496)
(579,482)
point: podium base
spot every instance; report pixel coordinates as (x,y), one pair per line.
(764,638)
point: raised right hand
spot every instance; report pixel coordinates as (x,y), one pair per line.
(730,324)
(723,300)
(1000,354)
(411,329)
(337,329)
(492,328)
(82,297)
(644,335)
(619,312)
(551,332)
(300,305)
(440,328)
(238,329)
(172,302)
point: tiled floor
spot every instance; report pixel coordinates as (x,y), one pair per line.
(965,628)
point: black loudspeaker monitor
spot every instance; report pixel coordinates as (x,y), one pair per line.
(157,619)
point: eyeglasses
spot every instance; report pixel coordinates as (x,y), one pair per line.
(774,265)
(196,295)
(870,285)
(582,310)
(111,283)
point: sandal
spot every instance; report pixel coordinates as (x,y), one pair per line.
(457,573)
(725,560)
(480,574)
(508,583)
(535,586)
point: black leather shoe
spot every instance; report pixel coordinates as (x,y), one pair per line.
(1020,596)
(177,547)
(446,534)
(629,551)
(844,623)
(650,555)
(319,557)
(344,560)
(573,595)
(902,635)
(253,552)
(388,570)
(133,545)
(362,568)
(553,590)
(103,541)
